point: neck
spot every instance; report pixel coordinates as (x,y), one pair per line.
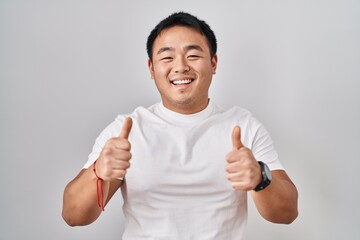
(187,109)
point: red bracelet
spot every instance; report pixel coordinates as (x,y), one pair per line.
(99,179)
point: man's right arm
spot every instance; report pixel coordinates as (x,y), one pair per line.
(84,193)
(80,201)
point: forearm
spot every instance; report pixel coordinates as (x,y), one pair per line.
(80,202)
(278,202)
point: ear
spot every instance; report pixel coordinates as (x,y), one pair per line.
(214,61)
(151,68)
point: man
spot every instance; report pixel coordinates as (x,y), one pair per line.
(184,165)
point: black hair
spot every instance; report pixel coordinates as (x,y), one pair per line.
(182,19)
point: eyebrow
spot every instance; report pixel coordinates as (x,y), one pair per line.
(165,49)
(196,47)
(187,48)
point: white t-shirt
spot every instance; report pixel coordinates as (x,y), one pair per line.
(176,186)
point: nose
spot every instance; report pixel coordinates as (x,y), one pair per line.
(181,66)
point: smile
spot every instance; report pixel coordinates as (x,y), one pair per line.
(182,81)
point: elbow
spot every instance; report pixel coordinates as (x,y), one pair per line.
(74,220)
(293,217)
(287,217)
(69,214)
(73,211)
(290,218)
(68,219)
(291,213)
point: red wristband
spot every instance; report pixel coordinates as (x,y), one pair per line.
(99,191)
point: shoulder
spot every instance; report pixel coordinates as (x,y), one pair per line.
(236,114)
(138,112)
(241,111)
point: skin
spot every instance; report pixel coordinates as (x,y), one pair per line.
(278,202)
(182,53)
(179,53)
(80,206)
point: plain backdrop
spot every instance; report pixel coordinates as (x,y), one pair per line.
(68,67)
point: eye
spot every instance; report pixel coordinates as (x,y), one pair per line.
(167,59)
(193,57)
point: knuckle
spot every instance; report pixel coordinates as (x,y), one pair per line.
(124,156)
(111,141)
(107,151)
(232,158)
(249,166)
(125,165)
(248,154)
(126,144)
(122,172)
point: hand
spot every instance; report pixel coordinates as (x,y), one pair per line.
(243,170)
(115,156)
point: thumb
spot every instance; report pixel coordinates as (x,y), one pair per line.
(236,138)
(126,128)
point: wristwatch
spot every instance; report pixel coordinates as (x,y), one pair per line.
(266,177)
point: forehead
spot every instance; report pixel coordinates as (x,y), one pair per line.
(178,37)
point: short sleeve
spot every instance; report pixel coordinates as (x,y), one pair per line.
(263,147)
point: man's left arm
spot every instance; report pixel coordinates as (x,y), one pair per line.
(278,201)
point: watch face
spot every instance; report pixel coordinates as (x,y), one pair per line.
(268,172)
(266,177)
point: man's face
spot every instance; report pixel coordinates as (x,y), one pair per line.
(182,69)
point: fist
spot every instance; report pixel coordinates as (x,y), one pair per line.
(115,156)
(243,171)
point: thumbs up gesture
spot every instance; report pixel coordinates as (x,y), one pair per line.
(115,156)
(243,171)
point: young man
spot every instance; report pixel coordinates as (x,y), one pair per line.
(184,165)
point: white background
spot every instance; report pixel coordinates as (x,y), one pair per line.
(68,67)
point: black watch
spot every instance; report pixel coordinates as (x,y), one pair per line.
(266,177)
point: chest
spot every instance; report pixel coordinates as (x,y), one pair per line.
(178,164)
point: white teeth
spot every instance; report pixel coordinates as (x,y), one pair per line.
(179,82)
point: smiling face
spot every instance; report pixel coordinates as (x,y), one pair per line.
(182,69)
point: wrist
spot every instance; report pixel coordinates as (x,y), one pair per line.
(266,177)
(99,189)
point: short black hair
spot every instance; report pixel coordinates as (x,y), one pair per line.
(182,19)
